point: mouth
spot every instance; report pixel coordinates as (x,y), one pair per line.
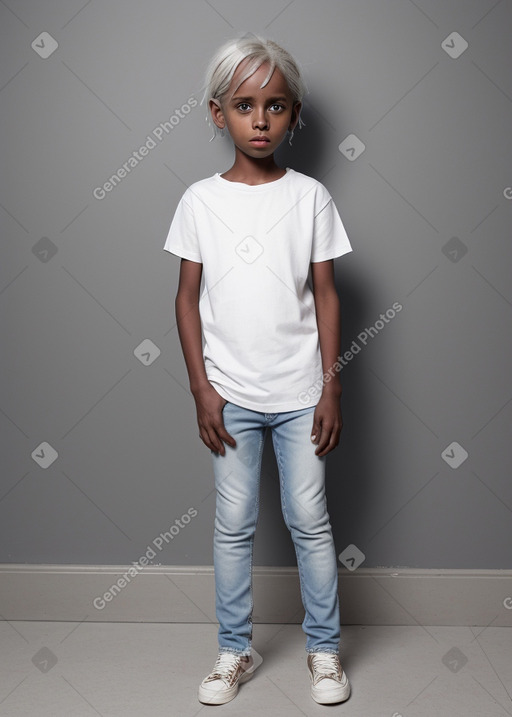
(260,141)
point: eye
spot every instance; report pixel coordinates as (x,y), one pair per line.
(279,107)
(243,106)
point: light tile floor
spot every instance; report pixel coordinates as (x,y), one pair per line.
(151,670)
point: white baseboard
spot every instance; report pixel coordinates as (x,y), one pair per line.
(169,593)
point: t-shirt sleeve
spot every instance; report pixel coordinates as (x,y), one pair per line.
(182,238)
(329,237)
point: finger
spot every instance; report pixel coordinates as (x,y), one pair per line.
(210,440)
(219,429)
(217,435)
(332,441)
(222,433)
(325,439)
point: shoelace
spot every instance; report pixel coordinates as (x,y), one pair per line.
(325,664)
(225,665)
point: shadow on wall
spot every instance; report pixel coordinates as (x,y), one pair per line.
(348,473)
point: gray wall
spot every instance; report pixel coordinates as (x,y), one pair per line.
(85,281)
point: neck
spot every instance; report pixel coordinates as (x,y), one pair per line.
(253,170)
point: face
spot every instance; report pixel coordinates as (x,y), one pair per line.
(257,118)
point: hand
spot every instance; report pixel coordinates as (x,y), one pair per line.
(209,405)
(327,423)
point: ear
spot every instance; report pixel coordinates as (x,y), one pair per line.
(295,115)
(217,113)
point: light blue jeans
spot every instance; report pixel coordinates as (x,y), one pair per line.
(303,502)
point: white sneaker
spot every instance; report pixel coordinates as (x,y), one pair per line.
(329,683)
(229,671)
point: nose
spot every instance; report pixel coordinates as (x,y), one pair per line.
(260,119)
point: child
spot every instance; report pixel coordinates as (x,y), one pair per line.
(265,238)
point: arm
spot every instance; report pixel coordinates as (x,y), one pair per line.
(209,403)
(327,421)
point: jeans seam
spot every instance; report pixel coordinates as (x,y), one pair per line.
(256,513)
(280,464)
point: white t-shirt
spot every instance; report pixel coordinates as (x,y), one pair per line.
(256,243)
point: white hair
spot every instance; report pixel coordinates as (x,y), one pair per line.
(258,51)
